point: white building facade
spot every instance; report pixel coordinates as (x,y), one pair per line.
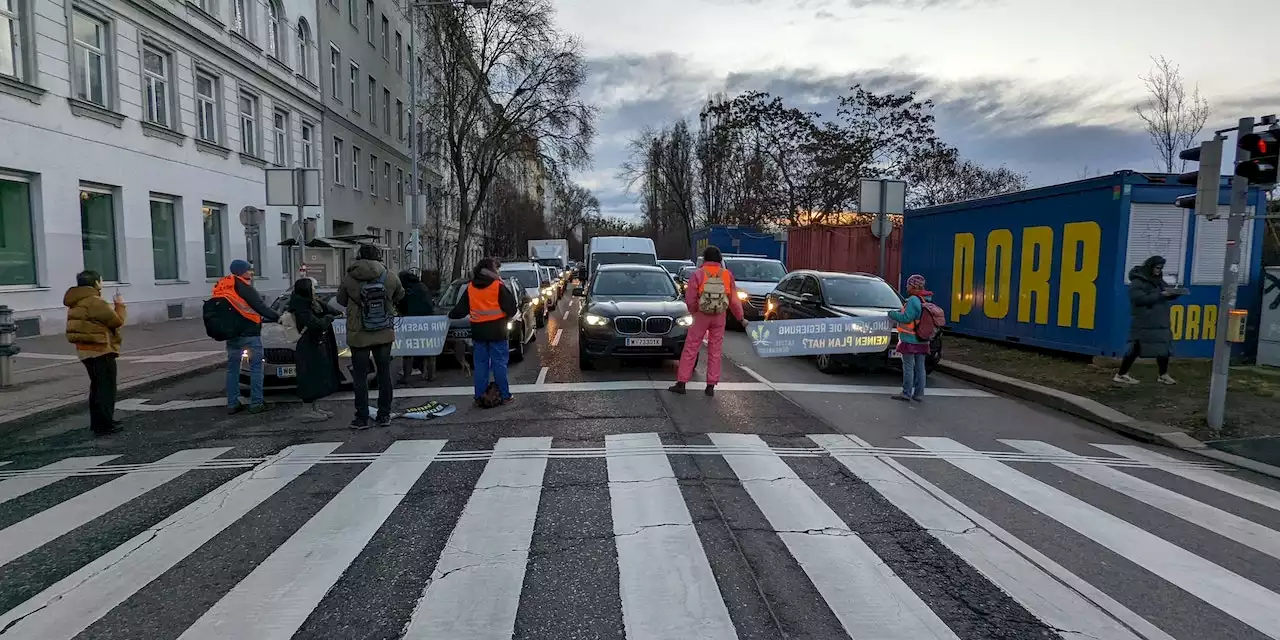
(132,135)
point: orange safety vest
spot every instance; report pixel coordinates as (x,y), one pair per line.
(909,327)
(226,288)
(484,303)
(710,270)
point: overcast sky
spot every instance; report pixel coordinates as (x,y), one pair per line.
(1046,87)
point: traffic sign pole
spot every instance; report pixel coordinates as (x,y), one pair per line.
(1230,281)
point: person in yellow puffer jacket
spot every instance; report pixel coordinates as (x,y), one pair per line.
(93,326)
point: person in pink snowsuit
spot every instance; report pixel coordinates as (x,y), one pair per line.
(710,326)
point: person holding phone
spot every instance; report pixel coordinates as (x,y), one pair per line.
(1150,332)
(93,326)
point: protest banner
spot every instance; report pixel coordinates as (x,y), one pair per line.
(807,337)
(415,335)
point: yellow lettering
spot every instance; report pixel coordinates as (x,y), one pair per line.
(1175,320)
(962,276)
(1210,322)
(1193,322)
(1037,260)
(1081,249)
(995,299)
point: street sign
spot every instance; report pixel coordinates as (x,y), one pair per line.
(251,217)
(293,187)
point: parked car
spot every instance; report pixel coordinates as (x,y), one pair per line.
(521,330)
(630,311)
(756,277)
(824,294)
(278,365)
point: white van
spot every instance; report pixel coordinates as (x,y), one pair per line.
(620,250)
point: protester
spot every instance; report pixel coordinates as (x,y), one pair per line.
(489,303)
(1150,332)
(710,295)
(913,348)
(416,302)
(94,327)
(370,293)
(316,351)
(246,336)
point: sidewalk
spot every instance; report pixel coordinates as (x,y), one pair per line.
(48,377)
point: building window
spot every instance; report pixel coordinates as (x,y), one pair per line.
(386,39)
(373,175)
(335,63)
(399,53)
(90,67)
(210,7)
(303,34)
(373,103)
(308,146)
(11,63)
(164,238)
(212,215)
(353,12)
(98,232)
(400,119)
(275,35)
(280,137)
(249,124)
(400,185)
(386,111)
(337,160)
(207,107)
(156,68)
(368,19)
(386,237)
(240,17)
(386,181)
(17,237)
(355,87)
(355,168)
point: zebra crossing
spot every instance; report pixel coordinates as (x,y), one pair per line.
(834,535)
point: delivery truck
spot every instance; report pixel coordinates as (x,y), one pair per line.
(550,253)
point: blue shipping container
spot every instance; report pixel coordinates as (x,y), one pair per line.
(734,239)
(1049,267)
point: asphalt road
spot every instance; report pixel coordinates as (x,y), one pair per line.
(793,504)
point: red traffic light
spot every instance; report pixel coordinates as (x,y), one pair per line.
(1260,144)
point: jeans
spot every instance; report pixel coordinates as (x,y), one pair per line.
(102,391)
(381,356)
(235,349)
(913,374)
(491,356)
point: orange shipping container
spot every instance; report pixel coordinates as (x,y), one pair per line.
(847,249)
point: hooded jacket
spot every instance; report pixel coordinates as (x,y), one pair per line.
(93,325)
(1150,326)
(487,331)
(417,298)
(911,312)
(360,272)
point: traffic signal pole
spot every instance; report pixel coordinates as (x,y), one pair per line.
(1230,282)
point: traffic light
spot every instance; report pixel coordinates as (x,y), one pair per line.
(1264,157)
(1206,179)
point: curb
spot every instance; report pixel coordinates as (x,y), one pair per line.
(59,408)
(1100,414)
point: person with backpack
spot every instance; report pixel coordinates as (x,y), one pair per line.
(490,304)
(919,320)
(711,294)
(370,293)
(235,314)
(416,302)
(93,326)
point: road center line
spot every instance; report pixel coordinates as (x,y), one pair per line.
(752,372)
(556,340)
(566,312)
(542,375)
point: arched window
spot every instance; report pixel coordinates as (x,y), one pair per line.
(304,48)
(275,40)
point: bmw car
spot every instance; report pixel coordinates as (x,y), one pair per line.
(521,330)
(631,311)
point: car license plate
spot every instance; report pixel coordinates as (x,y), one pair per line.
(287,372)
(894,355)
(644,342)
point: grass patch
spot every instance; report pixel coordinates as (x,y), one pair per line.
(1253,398)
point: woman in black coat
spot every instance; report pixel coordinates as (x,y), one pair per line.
(316,354)
(1150,331)
(416,302)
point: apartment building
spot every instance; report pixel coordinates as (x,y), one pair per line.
(132,135)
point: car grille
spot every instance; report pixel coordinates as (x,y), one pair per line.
(278,356)
(658,325)
(460,333)
(628,324)
(757,302)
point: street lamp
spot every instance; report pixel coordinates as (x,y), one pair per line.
(415,206)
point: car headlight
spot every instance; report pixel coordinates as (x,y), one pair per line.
(685,321)
(510,325)
(244,355)
(594,320)
(742,295)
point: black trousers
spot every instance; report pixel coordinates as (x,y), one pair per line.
(102,391)
(381,356)
(425,364)
(1162,362)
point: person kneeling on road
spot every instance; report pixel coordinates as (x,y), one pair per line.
(489,304)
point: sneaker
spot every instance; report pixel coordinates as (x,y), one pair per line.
(231,411)
(359,423)
(1124,379)
(114,428)
(508,400)
(710,390)
(677,388)
(258,408)
(1167,379)
(327,413)
(901,397)
(917,398)
(384,421)
(314,416)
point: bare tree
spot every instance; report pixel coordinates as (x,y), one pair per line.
(1171,116)
(504,85)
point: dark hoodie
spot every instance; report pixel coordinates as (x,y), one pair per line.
(488,331)
(360,272)
(417,298)
(1149,306)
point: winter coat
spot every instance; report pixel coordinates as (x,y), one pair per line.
(360,272)
(911,312)
(1150,326)
(316,354)
(693,291)
(93,325)
(417,298)
(488,331)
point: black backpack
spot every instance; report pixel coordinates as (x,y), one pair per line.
(375,307)
(221,320)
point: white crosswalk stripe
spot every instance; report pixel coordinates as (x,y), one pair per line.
(669,578)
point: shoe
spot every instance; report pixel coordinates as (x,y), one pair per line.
(231,411)
(327,413)
(314,416)
(1167,379)
(710,390)
(359,423)
(677,388)
(384,421)
(508,400)
(114,428)
(1124,378)
(917,398)
(901,397)
(258,408)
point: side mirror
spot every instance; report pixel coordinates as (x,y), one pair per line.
(579,292)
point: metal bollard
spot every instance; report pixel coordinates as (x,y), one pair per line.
(8,331)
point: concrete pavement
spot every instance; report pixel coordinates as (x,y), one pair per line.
(793,504)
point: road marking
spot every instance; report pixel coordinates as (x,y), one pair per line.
(1227,525)
(1235,486)
(868,598)
(50,524)
(474,592)
(566,312)
(1235,595)
(46,475)
(78,600)
(665,580)
(542,375)
(46,356)
(276,598)
(556,340)
(179,356)
(1043,595)
(752,372)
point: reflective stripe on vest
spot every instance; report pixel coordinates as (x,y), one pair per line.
(484,303)
(711,271)
(909,327)
(226,288)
